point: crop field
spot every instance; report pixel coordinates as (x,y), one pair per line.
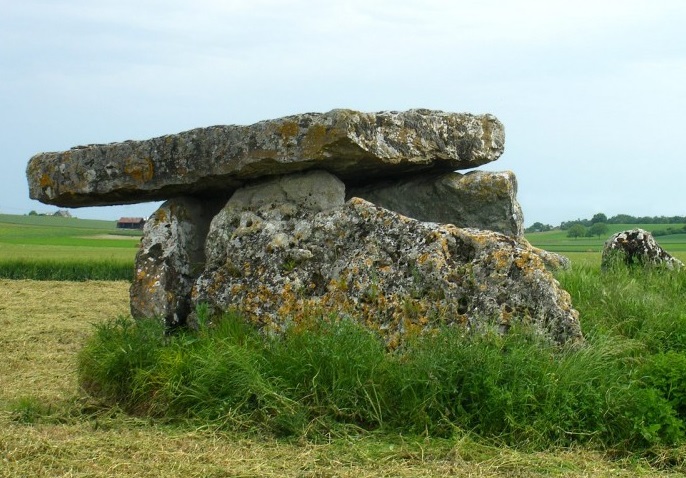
(587,250)
(48,247)
(49,426)
(49,237)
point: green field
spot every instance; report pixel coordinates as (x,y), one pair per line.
(64,248)
(64,238)
(40,238)
(614,407)
(587,250)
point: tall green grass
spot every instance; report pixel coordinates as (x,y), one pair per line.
(67,270)
(623,390)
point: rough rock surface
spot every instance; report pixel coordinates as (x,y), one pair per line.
(355,146)
(278,263)
(171,256)
(636,247)
(478,199)
(552,260)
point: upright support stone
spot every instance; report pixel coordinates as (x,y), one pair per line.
(478,199)
(171,256)
(281,258)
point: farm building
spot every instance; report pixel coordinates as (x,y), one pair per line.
(130,223)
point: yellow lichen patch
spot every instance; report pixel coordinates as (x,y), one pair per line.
(140,170)
(314,141)
(288,129)
(502,259)
(46,181)
(161,216)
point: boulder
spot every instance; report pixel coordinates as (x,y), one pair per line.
(355,146)
(636,247)
(478,199)
(286,261)
(170,258)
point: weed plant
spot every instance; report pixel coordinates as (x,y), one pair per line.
(622,390)
(66,270)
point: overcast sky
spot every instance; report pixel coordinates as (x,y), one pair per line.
(592,93)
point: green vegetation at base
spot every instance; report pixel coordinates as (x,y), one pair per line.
(615,392)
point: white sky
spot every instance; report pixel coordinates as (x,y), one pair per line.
(592,93)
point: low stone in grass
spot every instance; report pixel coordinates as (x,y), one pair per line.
(636,247)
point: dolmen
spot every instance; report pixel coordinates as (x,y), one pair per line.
(346,214)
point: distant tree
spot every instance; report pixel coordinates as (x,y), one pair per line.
(600,217)
(598,229)
(622,219)
(538,227)
(576,230)
(33,213)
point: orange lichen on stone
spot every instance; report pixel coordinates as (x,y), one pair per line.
(140,170)
(315,140)
(46,181)
(288,130)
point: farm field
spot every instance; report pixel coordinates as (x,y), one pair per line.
(587,250)
(50,429)
(63,238)
(72,239)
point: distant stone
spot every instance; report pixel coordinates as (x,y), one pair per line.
(636,247)
(478,199)
(356,147)
(62,213)
(170,258)
(282,262)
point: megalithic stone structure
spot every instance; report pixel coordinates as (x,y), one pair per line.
(349,213)
(354,146)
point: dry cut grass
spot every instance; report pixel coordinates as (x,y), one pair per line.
(43,325)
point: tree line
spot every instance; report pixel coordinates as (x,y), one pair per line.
(598,225)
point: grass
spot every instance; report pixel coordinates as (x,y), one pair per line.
(517,390)
(50,430)
(58,248)
(557,240)
(332,402)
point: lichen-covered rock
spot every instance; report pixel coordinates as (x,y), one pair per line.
(354,146)
(170,258)
(278,263)
(552,260)
(636,247)
(478,199)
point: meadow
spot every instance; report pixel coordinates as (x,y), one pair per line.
(334,403)
(62,248)
(587,250)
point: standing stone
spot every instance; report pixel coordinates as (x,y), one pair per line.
(356,147)
(636,247)
(478,199)
(283,261)
(170,258)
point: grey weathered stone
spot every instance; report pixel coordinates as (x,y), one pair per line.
(552,260)
(355,146)
(636,247)
(171,256)
(478,199)
(395,274)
